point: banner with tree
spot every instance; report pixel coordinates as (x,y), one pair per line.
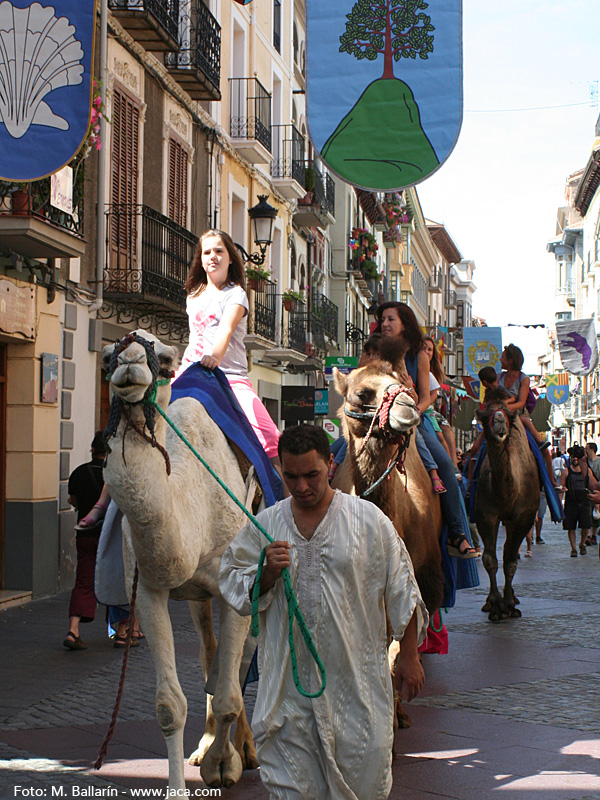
(384,87)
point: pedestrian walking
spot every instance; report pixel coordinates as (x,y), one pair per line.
(348,567)
(84,487)
(578,479)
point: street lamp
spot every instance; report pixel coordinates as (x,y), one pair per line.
(262,217)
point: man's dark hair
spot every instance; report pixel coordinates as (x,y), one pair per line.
(98,445)
(301,439)
(593,446)
(372,344)
(576,451)
(487,374)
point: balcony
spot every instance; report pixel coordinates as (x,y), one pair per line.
(262,316)
(436,282)
(450,299)
(571,293)
(147,262)
(196,64)
(31,226)
(450,343)
(316,209)
(324,316)
(250,119)
(287,167)
(152,23)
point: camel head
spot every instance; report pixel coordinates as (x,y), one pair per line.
(496,419)
(138,365)
(368,388)
(135,363)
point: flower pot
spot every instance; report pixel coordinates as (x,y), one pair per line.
(289,305)
(256,284)
(20,203)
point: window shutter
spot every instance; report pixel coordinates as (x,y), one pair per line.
(178,182)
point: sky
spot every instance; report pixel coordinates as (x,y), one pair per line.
(499,190)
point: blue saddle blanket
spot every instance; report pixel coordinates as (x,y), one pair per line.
(212,389)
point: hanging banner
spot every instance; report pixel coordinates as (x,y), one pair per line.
(483,347)
(46,56)
(557,388)
(577,345)
(384,87)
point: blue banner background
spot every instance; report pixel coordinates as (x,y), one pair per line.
(44,149)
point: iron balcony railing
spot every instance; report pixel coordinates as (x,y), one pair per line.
(355,337)
(250,111)
(450,298)
(146,254)
(321,185)
(295,334)
(325,314)
(34,200)
(436,281)
(288,146)
(262,320)
(165,12)
(199,51)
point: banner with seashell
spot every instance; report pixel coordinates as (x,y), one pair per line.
(46,57)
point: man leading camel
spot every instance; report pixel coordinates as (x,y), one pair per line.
(348,567)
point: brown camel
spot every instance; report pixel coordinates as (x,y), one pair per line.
(406,498)
(508,491)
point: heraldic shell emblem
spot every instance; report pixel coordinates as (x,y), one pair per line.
(45,84)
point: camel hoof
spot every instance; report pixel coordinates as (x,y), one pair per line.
(515,613)
(495,616)
(487,606)
(195,760)
(222,773)
(248,756)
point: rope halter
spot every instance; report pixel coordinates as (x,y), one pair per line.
(381,415)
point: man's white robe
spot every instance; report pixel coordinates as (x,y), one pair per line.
(354,567)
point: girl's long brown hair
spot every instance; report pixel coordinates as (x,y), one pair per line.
(435,364)
(412,332)
(197,280)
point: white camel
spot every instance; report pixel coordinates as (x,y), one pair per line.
(176,528)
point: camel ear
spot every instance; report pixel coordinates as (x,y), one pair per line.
(168,357)
(340,381)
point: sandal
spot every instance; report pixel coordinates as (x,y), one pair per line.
(91,520)
(582,549)
(73,642)
(528,554)
(454,547)
(120,642)
(573,553)
(438,486)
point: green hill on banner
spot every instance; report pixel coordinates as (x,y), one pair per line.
(380,143)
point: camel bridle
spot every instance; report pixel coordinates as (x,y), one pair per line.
(381,416)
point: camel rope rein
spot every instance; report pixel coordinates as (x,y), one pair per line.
(292,601)
(381,415)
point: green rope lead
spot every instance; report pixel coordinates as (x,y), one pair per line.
(432,626)
(293,608)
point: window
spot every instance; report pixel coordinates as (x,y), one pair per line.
(123,232)
(178,183)
(277,25)
(563,315)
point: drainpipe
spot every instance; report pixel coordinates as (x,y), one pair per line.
(101,195)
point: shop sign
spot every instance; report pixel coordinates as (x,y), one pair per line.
(321,401)
(17,309)
(344,364)
(297,403)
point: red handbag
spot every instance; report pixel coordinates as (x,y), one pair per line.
(436,640)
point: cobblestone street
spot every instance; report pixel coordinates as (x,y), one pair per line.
(512,712)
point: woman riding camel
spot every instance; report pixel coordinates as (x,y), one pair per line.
(397,320)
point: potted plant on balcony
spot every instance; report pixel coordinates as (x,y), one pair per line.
(20,199)
(369,269)
(256,276)
(391,237)
(291,299)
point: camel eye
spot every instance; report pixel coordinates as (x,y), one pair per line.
(363,396)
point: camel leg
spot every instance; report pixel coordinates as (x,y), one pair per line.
(488,530)
(171,705)
(401,718)
(201,611)
(222,765)
(515,534)
(244,742)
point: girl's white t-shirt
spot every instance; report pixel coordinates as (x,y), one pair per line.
(433,383)
(205,311)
